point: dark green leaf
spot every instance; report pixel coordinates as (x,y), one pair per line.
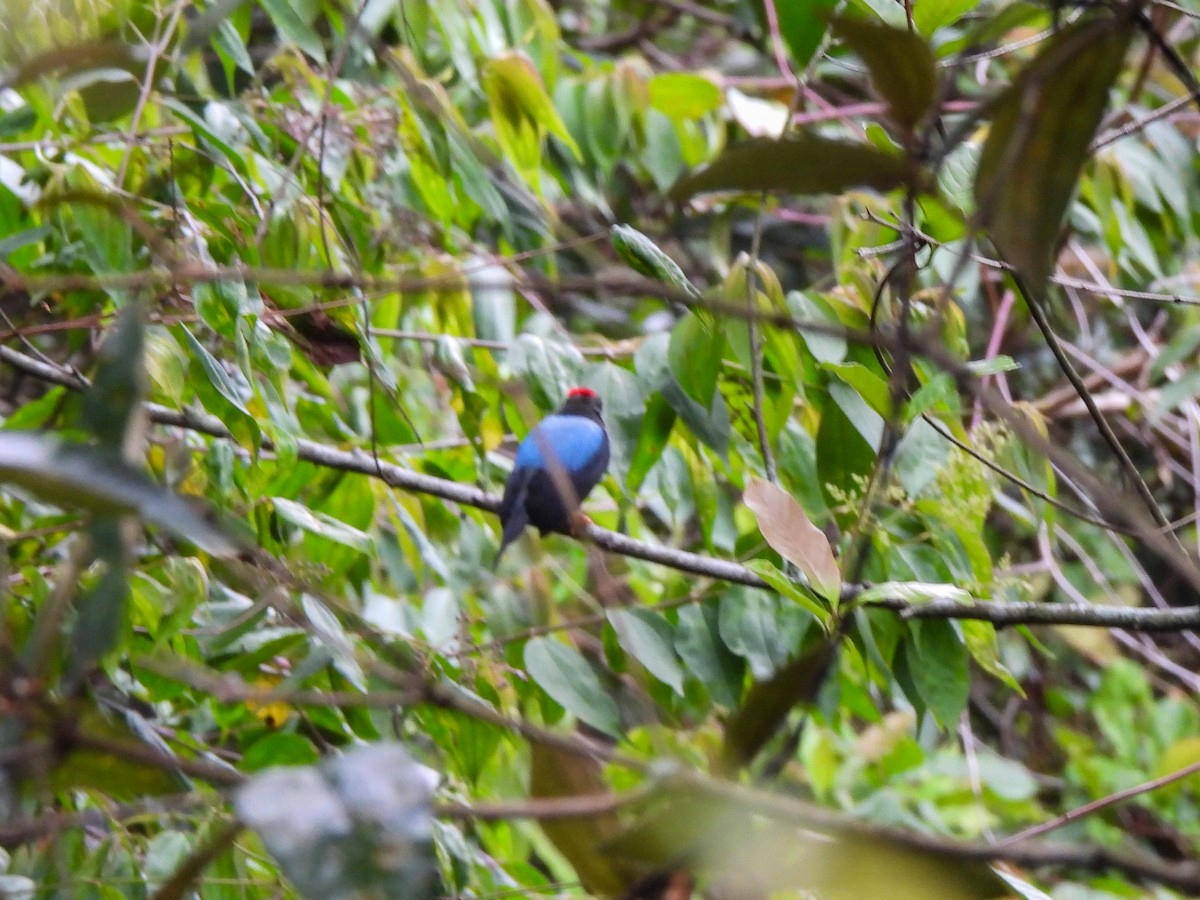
(562,673)
(940,669)
(695,354)
(657,422)
(118,386)
(1042,127)
(803,26)
(901,66)
(646,636)
(698,642)
(805,164)
(101,618)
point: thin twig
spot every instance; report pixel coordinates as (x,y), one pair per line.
(1068,369)
(1087,809)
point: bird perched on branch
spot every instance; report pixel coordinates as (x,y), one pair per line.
(558,464)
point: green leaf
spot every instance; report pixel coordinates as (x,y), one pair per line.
(698,643)
(695,355)
(97,479)
(1182,346)
(322,524)
(800,594)
(117,389)
(101,619)
(808,307)
(939,668)
(980,638)
(279,748)
(643,256)
(652,438)
(215,371)
(994,365)
(901,64)
(493,304)
(284,15)
(521,109)
(684,95)
(870,385)
(562,673)
(165,853)
(1042,127)
(930,15)
(846,441)
(710,424)
(804,164)
(803,26)
(646,636)
(625,411)
(913,592)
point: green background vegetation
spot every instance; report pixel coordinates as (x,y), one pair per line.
(893,312)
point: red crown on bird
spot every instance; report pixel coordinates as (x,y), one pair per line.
(581,392)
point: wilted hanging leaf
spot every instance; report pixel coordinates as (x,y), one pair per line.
(554,772)
(1041,129)
(901,64)
(787,529)
(804,164)
(78,475)
(768,703)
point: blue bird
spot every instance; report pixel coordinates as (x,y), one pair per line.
(558,464)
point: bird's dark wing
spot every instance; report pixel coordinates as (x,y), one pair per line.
(513,516)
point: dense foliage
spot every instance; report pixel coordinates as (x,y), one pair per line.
(892,308)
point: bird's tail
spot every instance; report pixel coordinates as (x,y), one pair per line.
(512,530)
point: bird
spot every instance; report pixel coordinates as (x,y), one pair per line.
(558,464)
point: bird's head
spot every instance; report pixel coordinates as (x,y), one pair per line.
(582,401)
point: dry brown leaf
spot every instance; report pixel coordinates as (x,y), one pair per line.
(788,530)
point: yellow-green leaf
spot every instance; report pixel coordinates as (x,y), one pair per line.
(520,106)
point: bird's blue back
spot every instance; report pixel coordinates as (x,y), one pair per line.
(573,439)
